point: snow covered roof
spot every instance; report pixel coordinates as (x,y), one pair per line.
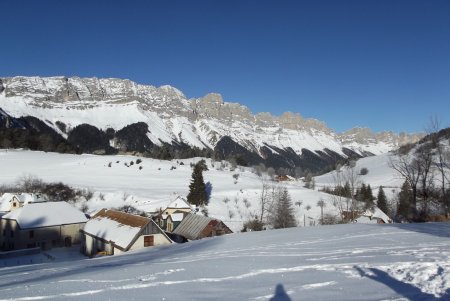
(365,220)
(4,201)
(373,214)
(179,203)
(118,227)
(192,226)
(24,198)
(46,214)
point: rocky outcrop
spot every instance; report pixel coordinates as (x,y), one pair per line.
(175,124)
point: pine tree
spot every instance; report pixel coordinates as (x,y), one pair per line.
(283,213)
(382,200)
(197,188)
(404,201)
(368,198)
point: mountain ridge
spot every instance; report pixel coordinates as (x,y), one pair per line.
(172,118)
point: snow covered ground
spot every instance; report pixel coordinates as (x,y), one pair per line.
(343,262)
(157,184)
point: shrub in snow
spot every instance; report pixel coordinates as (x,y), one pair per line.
(253,225)
(131,163)
(131,210)
(138,161)
(364,171)
(230,214)
(101,196)
(84,208)
(226,200)
(140,167)
(88,194)
(109,164)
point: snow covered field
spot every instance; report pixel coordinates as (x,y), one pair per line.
(155,185)
(343,262)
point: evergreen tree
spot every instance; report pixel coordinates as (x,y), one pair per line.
(283,213)
(404,201)
(197,189)
(368,198)
(382,200)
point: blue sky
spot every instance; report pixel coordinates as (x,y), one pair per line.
(381,64)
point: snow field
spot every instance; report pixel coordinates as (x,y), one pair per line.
(342,262)
(157,184)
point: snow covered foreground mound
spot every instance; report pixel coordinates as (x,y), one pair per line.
(345,262)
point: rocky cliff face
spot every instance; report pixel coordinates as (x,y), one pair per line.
(173,119)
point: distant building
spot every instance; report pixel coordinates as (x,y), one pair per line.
(373,215)
(284,178)
(194,227)
(169,218)
(114,232)
(12,201)
(45,225)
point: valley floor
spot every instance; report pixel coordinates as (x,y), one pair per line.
(343,262)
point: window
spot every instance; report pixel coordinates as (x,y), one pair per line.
(11,233)
(14,204)
(4,232)
(31,234)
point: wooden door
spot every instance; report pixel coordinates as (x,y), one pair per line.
(148,241)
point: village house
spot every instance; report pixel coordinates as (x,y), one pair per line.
(194,227)
(284,178)
(12,201)
(114,232)
(169,218)
(373,215)
(45,225)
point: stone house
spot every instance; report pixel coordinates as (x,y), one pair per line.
(45,225)
(114,232)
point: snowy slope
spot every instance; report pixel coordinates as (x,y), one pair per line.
(156,184)
(380,173)
(344,262)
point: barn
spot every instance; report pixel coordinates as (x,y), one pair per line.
(194,227)
(113,232)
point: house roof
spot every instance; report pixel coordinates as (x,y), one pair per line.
(192,225)
(115,226)
(46,214)
(5,200)
(371,215)
(179,203)
(376,212)
(24,198)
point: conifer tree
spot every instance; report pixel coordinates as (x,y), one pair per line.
(369,196)
(382,200)
(197,189)
(404,201)
(282,215)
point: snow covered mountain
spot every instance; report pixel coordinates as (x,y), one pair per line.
(166,118)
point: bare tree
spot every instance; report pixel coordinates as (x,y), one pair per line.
(410,169)
(442,158)
(424,158)
(352,177)
(264,199)
(321,203)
